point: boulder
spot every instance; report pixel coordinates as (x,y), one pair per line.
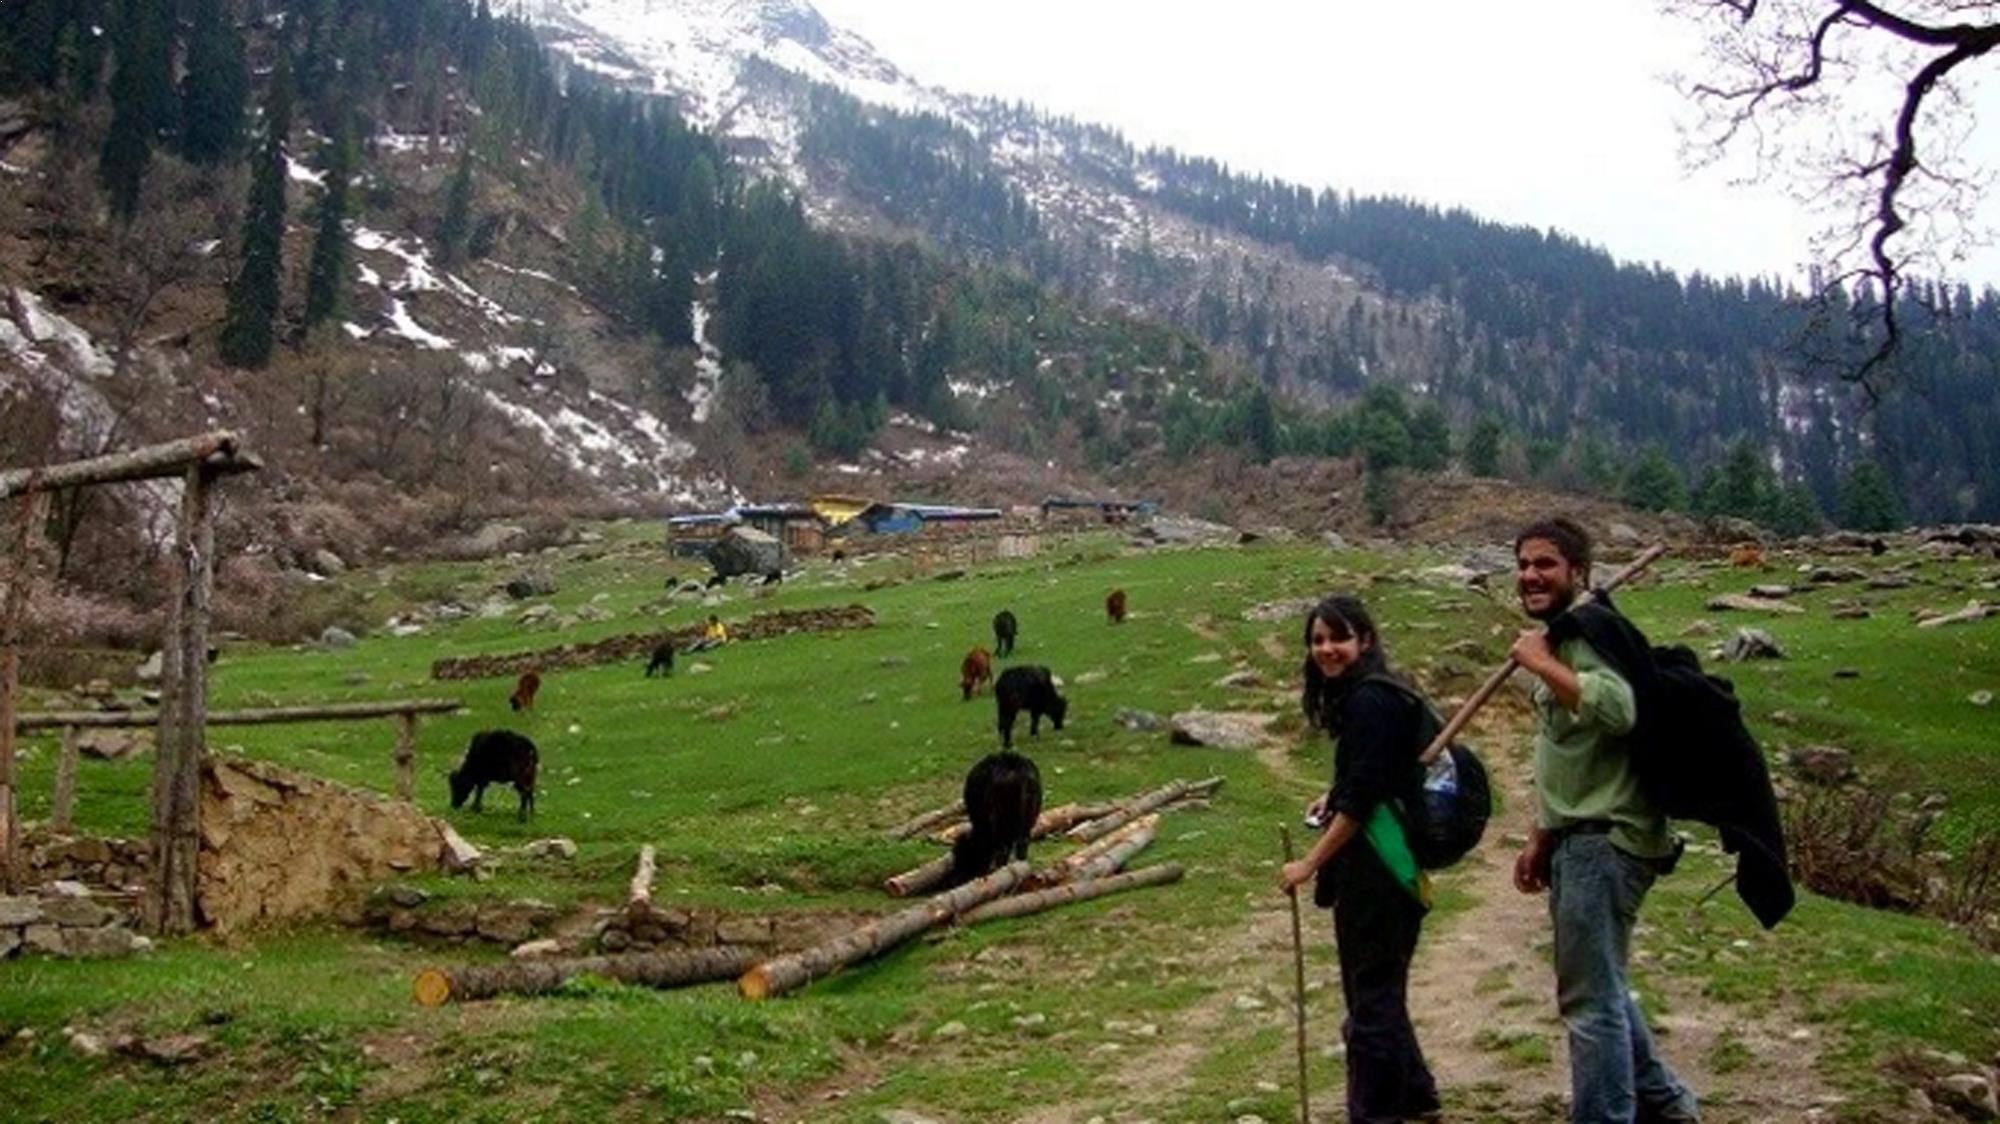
(326,563)
(1623,534)
(336,637)
(1332,540)
(746,550)
(1970,1095)
(1139,719)
(1821,764)
(1836,575)
(114,745)
(154,667)
(530,583)
(1185,530)
(1752,644)
(494,538)
(1771,592)
(1221,729)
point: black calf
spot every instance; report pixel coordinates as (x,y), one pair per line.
(496,757)
(663,659)
(1032,689)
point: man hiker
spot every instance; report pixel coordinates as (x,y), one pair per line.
(1597,844)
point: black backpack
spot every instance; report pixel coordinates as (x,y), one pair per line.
(1694,757)
(1444,816)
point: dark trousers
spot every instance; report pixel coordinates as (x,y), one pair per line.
(1375,925)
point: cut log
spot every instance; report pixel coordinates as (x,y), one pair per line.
(1127,812)
(920,880)
(679,968)
(936,817)
(1054,821)
(795,970)
(1117,855)
(1020,905)
(642,879)
(1069,867)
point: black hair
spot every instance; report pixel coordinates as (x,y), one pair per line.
(1565,534)
(1348,619)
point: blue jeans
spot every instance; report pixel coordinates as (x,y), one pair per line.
(1616,1076)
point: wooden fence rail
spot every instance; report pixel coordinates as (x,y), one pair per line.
(405,711)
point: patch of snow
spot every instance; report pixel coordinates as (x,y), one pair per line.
(52,333)
(368,276)
(401,324)
(299,173)
(477,362)
(707,366)
(356,331)
(963,388)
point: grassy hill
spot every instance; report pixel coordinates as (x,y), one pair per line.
(768,781)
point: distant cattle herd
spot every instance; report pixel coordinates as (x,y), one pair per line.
(1003,791)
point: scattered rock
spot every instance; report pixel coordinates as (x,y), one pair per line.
(336,637)
(114,745)
(89,1045)
(1742,603)
(1279,611)
(1836,575)
(1248,1003)
(1221,729)
(1973,611)
(537,614)
(1980,698)
(404,895)
(1752,644)
(1333,541)
(170,1049)
(1623,534)
(1139,719)
(528,950)
(1889,581)
(154,667)
(1242,680)
(556,847)
(326,563)
(1822,764)
(1700,627)
(1771,592)
(952,1029)
(1852,613)
(532,583)
(1970,1095)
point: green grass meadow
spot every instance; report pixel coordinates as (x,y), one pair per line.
(767,783)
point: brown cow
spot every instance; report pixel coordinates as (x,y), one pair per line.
(525,687)
(1114,606)
(1747,556)
(977,669)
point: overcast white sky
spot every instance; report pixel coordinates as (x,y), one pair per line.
(1552,113)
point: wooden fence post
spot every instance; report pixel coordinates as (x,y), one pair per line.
(176,836)
(65,802)
(20,569)
(406,752)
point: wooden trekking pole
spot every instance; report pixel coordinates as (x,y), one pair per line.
(1499,678)
(1298,979)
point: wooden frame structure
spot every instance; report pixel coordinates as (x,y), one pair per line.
(199,462)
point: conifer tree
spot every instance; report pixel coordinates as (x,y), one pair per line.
(1793,512)
(1654,483)
(256,291)
(1430,439)
(1482,449)
(1868,500)
(213,93)
(457,219)
(327,274)
(1260,427)
(142,104)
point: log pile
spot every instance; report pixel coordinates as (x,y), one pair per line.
(638,645)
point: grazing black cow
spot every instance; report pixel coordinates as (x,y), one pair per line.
(773,578)
(496,757)
(1003,799)
(715,580)
(1032,689)
(1004,628)
(663,659)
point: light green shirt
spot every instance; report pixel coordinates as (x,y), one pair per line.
(1583,770)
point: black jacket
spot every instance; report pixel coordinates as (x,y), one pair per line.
(1694,756)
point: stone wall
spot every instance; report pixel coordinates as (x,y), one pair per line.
(111,864)
(276,844)
(68,919)
(638,645)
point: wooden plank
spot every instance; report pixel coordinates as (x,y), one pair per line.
(176,834)
(60,813)
(27,516)
(220,451)
(642,878)
(267,716)
(406,754)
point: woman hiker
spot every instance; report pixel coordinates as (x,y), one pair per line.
(1362,864)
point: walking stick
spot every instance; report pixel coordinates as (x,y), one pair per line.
(1299,980)
(1498,679)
